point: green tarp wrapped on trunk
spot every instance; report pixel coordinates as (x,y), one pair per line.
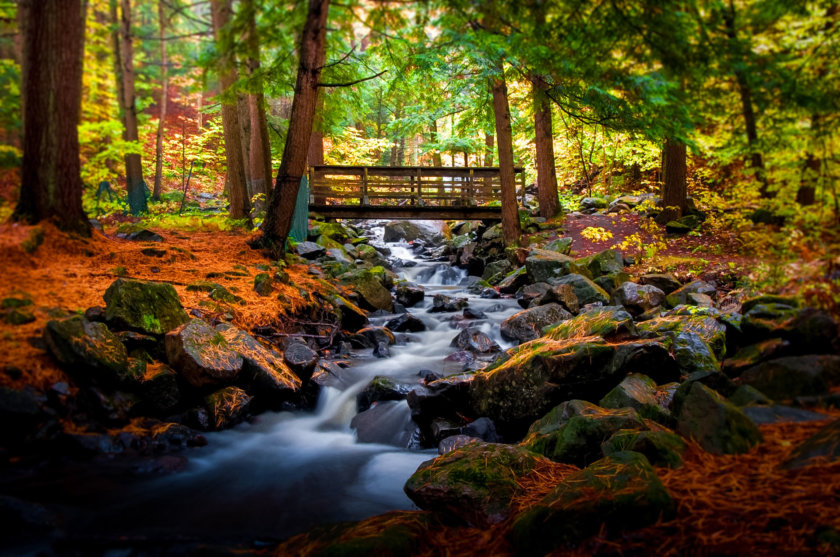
(300,221)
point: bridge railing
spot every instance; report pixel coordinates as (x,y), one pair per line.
(418,186)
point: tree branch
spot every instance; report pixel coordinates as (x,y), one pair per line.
(337,62)
(349,83)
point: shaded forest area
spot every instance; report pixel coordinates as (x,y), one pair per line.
(639,356)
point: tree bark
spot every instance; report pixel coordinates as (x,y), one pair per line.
(544,140)
(235,176)
(135,186)
(510,207)
(164,100)
(316,143)
(489,140)
(244,109)
(673,181)
(51,183)
(806,194)
(278,220)
(260,151)
(437,159)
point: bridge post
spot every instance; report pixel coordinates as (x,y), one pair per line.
(365,200)
(522,184)
(419,187)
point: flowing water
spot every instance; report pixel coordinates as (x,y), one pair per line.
(285,472)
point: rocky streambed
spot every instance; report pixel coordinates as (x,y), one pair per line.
(186,430)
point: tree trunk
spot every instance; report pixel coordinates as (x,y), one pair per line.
(745,92)
(806,195)
(544,140)
(51,183)
(316,143)
(489,140)
(437,159)
(164,99)
(135,186)
(673,181)
(278,219)
(244,111)
(260,146)
(510,207)
(235,176)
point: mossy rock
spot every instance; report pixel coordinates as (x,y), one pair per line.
(639,392)
(681,295)
(88,349)
(15,303)
(263,284)
(18,316)
(793,376)
(707,328)
(543,265)
(147,307)
(716,424)
(587,292)
(560,245)
(619,492)
(370,287)
(607,262)
(227,407)
(606,322)
(764,299)
(475,482)
(217,292)
(202,355)
(662,448)
(753,354)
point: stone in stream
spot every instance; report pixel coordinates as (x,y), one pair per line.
(618,492)
(447,304)
(226,407)
(406,323)
(574,431)
(470,313)
(90,351)
(373,293)
(528,324)
(381,388)
(147,307)
(301,359)
(513,281)
(351,317)
(638,299)
(794,376)
(386,422)
(475,341)
(410,295)
(410,231)
(717,425)
(381,350)
(475,482)
(202,355)
(586,291)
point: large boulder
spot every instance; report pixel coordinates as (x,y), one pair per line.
(528,324)
(637,298)
(406,323)
(373,293)
(409,231)
(88,349)
(607,322)
(683,294)
(639,392)
(351,316)
(475,482)
(663,281)
(263,368)
(410,295)
(607,262)
(662,448)
(542,265)
(577,439)
(587,292)
(618,492)
(562,294)
(381,388)
(442,303)
(475,341)
(202,355)
(147,307)
(794,376)
(716,424)
(824,444)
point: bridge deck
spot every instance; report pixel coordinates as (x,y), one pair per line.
(406,192)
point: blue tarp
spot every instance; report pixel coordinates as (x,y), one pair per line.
(300,221)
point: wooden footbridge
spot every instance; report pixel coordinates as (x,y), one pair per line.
(407,192)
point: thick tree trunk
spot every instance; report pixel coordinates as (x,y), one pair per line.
(278,220)
(135,186)
(235,177)
(244,109)
(260,146)
(437,159)
(489,140)
(673,181)
(51,184)
(544,140)
(806,195)
(164,100)
(510,208)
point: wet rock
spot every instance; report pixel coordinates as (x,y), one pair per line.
(663,281)
(381,350)
(475,341)
(638,299)
(147,307)
(680,296)
(374,294)
(454,442)
(264,369)
(441,428)
(89,350)
(574,433)
(310,250)
(824,444)
(528,324)
(406,323)
(662,448)
(447,304)
(717,425)
(20,414)
(618,492)
(301,359)
(496,270)
(470,313)
(607,322)
(380,389)
(410,295)
(376,335)
(543,265)
(482,428)
(202,355)
(514,281)
(794,376)
(607,262)
(475,482)
(440,398)
(456,362)
(23,521)
(227,407)
(351,317)
(532,294)
(637,391)
(410,231)
(586,291)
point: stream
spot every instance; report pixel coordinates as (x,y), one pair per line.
(285,472)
